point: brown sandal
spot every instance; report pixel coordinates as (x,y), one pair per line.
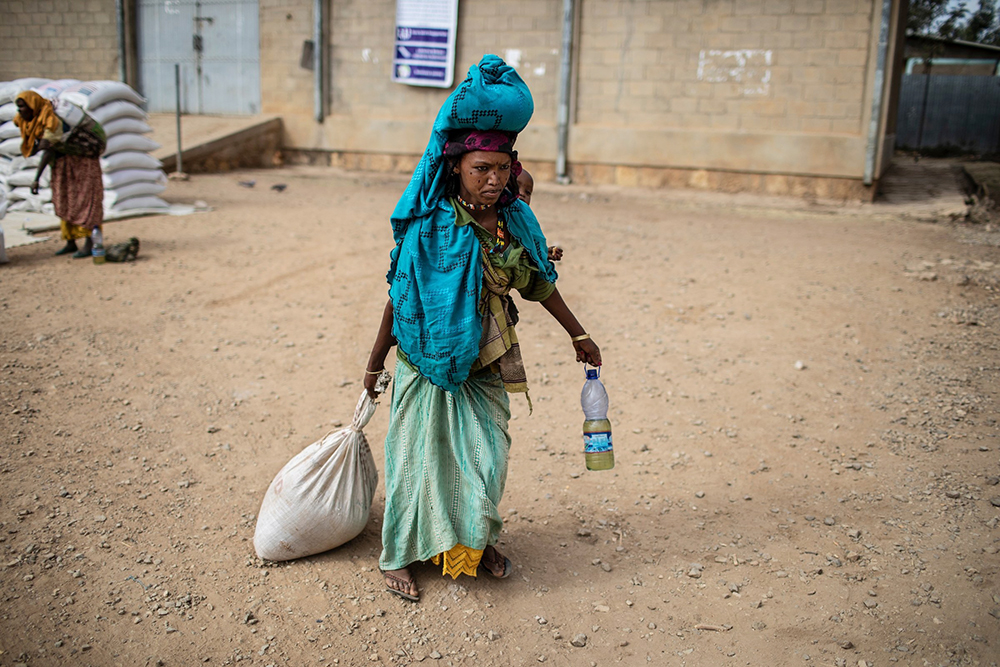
(508,567)
(406,582)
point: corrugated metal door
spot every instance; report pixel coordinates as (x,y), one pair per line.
(217,44)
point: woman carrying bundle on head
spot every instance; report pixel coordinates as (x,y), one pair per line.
(463,241)
(72,142)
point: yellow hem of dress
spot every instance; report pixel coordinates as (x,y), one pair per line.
(460,559)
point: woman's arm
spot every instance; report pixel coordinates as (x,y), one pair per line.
(384,341)
(586,349)
(44,146)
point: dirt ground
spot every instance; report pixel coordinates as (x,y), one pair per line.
(804,403)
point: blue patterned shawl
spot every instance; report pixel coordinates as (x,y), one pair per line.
(435,275)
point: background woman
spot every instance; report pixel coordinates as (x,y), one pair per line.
(463,241)
(72,144)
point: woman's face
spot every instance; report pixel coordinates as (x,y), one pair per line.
(27,113)
(483,176)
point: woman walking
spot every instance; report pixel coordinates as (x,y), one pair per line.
(72,142)
(463,241)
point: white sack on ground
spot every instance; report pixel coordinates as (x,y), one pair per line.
(137,203)
(141,189)
(10,147)
(10,165)
(322,497)
(114,110)
(93,94)
(128,142)
(25,177)
(116,179)
(8,130)
(129,160)
(7,112)
(119,126)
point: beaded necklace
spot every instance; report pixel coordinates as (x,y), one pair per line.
(472,207)
(501,235)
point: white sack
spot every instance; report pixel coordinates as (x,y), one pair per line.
(128,142)
(322,497)
(7,112)
(93,94)
(120,126)
(9,90)
(112,197)
(10,165)
(11,147)
(24,192)
(26,176)
(113,110)
(129,160)
(134,203)
(117,179)
(9,130)
(26,206)
(51,90)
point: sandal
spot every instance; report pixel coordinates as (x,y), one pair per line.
(80,254)
(405,582)
(508,567)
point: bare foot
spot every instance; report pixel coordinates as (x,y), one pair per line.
(401,583)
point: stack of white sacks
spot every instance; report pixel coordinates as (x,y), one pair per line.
(132,177)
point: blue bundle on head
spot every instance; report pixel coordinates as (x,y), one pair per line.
(435,276)
(492,97)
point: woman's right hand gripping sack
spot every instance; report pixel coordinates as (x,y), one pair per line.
(322,497)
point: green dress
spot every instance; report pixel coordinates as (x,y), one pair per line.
(446,453)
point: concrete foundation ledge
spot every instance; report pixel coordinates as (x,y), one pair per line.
(256,146)
(805,187)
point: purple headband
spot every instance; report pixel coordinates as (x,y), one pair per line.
(466,141)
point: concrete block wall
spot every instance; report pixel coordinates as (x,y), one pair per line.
(778,88)
(368,112)
(58,39)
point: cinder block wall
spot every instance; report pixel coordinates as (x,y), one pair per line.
(685,88)
(59,39)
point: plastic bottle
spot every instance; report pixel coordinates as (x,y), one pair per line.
(597,448)
(97,239)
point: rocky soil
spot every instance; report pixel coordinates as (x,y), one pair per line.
(804,402)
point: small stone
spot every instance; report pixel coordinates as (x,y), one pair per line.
(434,655)
(651,626)
(699,494)
(847,645)
(606,567)
(854,534)
(995,501)
(541,620)
(830,521)
(871,604)
(492,636)
(952,494)
(579,640)
(800,365)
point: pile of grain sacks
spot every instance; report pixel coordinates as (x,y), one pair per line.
(132,177)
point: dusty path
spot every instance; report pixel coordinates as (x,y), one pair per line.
(805,427)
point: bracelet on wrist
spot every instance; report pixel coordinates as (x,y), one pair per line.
(576,339)
(368,372)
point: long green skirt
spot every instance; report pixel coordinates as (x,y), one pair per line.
(445,466)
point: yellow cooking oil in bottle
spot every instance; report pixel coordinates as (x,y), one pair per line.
(598,451)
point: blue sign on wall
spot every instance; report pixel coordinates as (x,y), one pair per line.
(424,53)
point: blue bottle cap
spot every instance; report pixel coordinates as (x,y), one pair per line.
(593,374)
